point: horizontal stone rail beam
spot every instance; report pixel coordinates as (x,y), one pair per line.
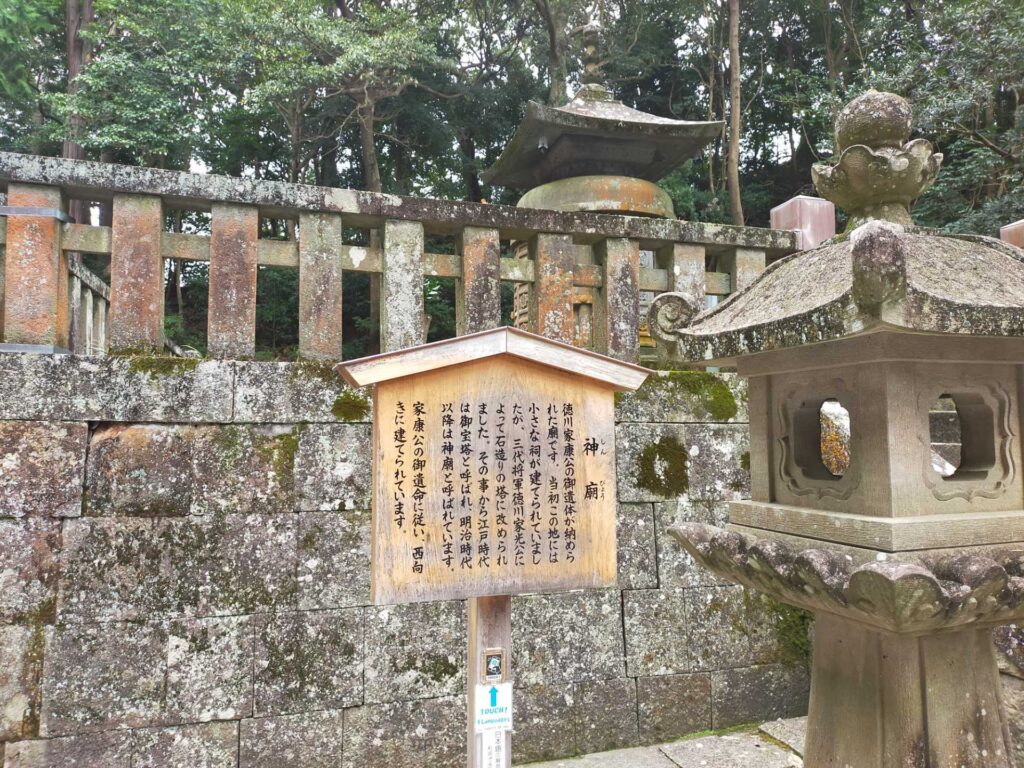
(583,275)
(101,181)
(355,258)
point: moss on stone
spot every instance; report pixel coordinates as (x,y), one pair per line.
(321,370)
(438,668)
(279,451)
(707,393)
(350,406)
(745,461)
(230,443)
(308,541)
(661,468)
(790,625)
(157,366)
(32,663)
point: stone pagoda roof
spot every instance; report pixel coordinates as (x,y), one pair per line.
(594,134)
(885,273)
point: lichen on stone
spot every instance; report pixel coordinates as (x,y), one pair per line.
(661,468)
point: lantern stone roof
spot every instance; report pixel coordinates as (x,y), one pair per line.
(881,276)
(884,273)
(595,134)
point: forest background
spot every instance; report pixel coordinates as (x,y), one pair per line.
(417,97)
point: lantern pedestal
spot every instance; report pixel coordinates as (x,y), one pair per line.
(906,701)
(904,672)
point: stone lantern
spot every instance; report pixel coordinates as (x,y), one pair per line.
(886,371)
(595,155)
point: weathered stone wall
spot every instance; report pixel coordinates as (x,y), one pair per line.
(184,581)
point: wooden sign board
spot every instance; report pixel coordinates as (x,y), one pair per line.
(493,467)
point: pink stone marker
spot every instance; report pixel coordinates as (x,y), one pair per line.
(1013,233)
(813,218)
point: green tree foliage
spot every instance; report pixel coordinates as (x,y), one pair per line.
(419,96)
(31,67)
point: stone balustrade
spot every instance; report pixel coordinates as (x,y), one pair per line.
(575,259)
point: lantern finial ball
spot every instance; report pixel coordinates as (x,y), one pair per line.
(875,119)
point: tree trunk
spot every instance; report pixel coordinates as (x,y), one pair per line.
(470,177)
(78,13)
(556,19)
(372,182)
(735,108)
(367,122)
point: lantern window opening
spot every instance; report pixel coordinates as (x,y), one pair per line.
(961,434)
(821,439)
(834,437)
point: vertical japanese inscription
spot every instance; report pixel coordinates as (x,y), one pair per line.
(448,485)
(398,506)
(493,484)
(419,484)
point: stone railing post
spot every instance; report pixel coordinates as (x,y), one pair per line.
(812,218)
(86,290)
(478,297)
(75,329)
(685,264)
(617,324)
(36,274)
(137,274)
(743,265)
(231,324)
(3,262)
(320,284)
(99,326)
(401,321)
(553,257)
(86,321)
(1013,233)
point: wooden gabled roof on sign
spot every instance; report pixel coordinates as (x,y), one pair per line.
(623,377)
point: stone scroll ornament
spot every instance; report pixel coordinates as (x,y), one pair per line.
(906,570)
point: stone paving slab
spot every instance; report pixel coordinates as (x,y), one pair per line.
(735,750)
(791,732)
(643,757)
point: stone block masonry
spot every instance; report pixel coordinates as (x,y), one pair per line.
(184,582)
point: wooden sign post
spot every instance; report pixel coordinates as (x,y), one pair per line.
(494,475)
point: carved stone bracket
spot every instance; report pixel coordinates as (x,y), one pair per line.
(892,596)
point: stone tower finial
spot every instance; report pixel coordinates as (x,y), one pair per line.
(879,173)
(592,74)
(593,88)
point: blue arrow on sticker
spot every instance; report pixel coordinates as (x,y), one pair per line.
(494,696)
